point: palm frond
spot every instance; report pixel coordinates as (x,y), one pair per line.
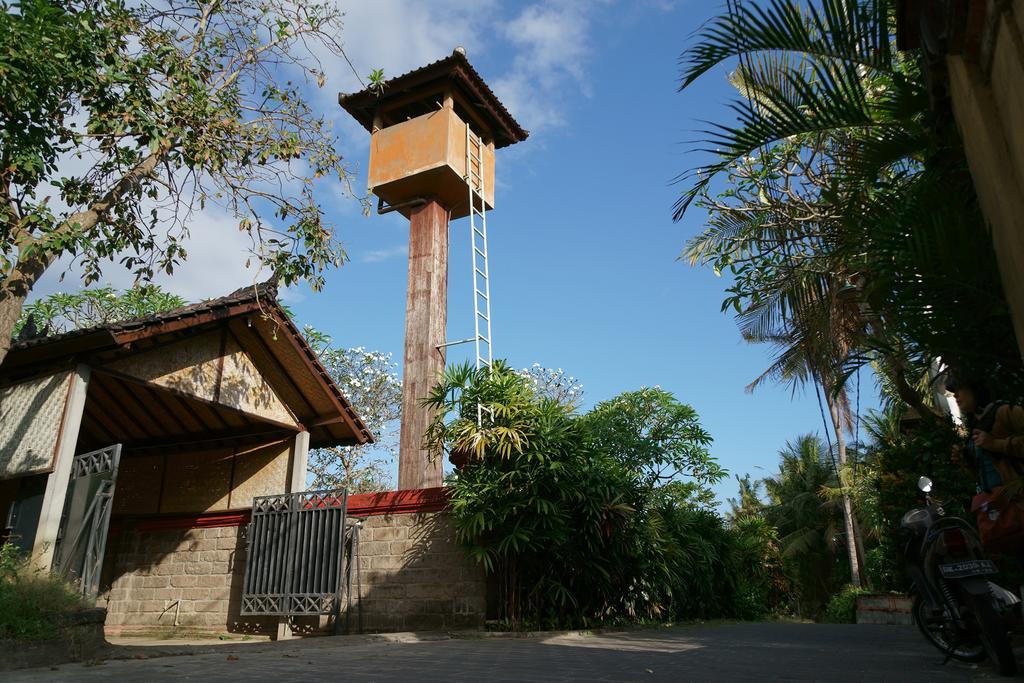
(841,31)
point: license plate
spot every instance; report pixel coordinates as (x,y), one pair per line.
(959,570)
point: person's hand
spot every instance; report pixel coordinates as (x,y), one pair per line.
(987,441)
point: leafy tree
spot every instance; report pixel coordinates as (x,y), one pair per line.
(62,312)
(529,493)
(369,381)
(554,384)
(570,515)
(119,120)
(835,172)
(651,432)
(849,214)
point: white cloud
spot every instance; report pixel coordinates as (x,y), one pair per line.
(217,253)
(552,44)
(378,255)
(401,35)
(398,36)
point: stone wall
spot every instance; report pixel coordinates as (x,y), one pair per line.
(202,570)
(413,577)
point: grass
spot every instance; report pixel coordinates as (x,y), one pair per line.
(34,604)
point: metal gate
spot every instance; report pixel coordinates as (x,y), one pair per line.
(82,539)
(300,559)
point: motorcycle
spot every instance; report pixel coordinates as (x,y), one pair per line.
(956,607)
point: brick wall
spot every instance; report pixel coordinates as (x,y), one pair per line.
(413,577)
(147,571)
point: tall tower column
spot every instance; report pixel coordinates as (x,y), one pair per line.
(426,153)
(426,312)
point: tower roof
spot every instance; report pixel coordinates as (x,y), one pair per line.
(420,92)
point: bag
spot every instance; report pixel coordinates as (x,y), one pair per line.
(1000,521)
(998,512)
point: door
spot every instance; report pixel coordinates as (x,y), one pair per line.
(83,534)
(23,515)
(300,555)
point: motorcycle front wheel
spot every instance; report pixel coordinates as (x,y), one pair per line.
(941,632)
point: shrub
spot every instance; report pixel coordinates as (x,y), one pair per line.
(571,513)
(842,608)
(34,604)
(901,458)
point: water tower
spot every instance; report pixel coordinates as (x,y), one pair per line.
(434,131)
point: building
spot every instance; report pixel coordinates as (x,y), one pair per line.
(974,62)
(130,455)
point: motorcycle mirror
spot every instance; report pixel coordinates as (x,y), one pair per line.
(925,484)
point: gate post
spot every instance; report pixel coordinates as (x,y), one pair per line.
(57,481)
(299,463)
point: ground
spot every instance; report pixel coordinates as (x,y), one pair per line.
(726,652)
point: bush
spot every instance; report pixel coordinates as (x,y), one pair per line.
(902,458)
(571,513)
(842,608)
(34,604)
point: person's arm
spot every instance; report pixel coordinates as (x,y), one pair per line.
(1009,421)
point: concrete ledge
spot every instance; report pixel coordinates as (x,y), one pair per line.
(149,648)
(884,608)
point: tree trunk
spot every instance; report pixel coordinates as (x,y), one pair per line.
(29,269)
(853,541)
(10,311)
(14,292)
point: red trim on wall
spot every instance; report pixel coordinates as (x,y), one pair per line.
(405,502)
(398,502)
(208,520)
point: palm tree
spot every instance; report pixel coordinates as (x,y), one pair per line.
(809,352)
(747,504)
(827,109)
(815,72)
(806,524)
(852,179)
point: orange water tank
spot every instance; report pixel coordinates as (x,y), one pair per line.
(418,123)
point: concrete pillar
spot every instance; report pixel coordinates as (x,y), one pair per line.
(57,481)
(299,464)
(997,177)
(426,314)
(284,629)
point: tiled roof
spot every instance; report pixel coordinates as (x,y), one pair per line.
(264,291)
(507,131)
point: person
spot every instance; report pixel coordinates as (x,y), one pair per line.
(995,450)
(995,445)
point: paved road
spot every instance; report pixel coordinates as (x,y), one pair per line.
(729,652)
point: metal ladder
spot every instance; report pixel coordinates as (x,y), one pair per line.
(481,272)
(478,243)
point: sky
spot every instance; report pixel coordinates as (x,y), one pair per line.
(583,249)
